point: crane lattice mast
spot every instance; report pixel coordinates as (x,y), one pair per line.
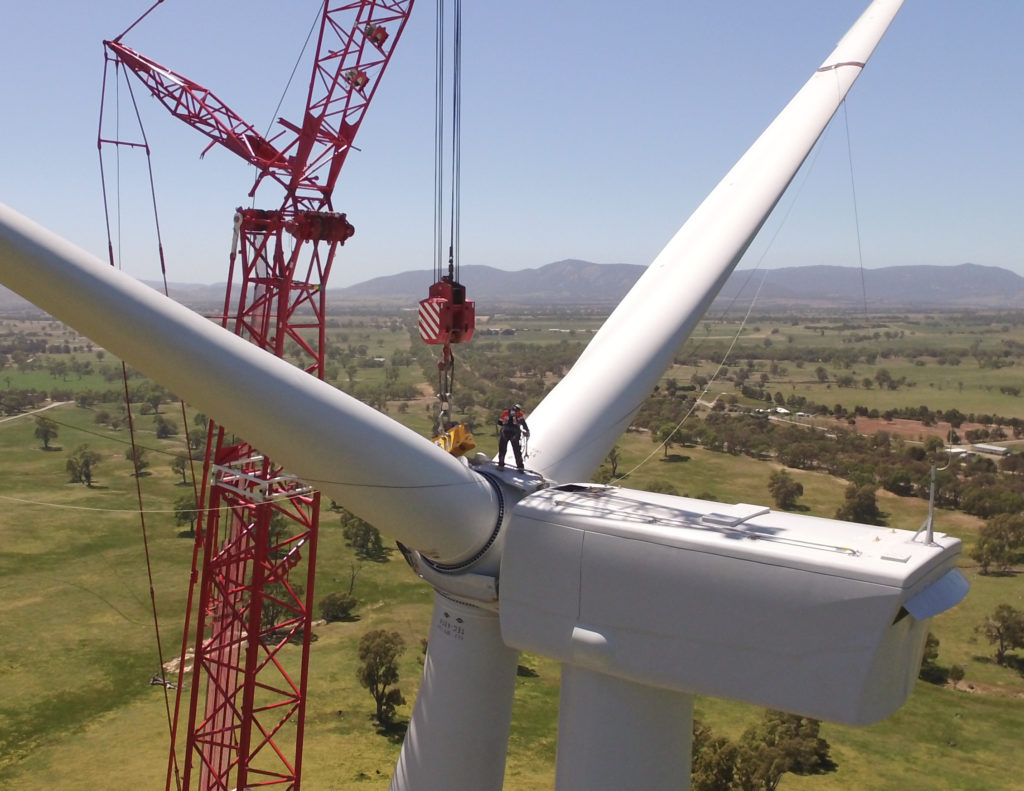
(256,537)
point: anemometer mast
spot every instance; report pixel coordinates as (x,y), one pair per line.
(255,558)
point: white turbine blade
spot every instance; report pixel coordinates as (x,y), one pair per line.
(385,473)
(578,422)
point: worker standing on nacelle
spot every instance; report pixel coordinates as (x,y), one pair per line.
(513,427)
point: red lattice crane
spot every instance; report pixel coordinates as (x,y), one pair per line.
(256,537)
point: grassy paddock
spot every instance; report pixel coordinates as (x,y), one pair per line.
(79,649)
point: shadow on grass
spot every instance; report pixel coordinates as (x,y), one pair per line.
(393,731)
(999,573)
(375,556)
(1010,661)
(674,457)
(351,618)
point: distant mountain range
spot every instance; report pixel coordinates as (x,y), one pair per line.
(581,283)
(574,282)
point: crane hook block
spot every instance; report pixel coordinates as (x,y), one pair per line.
(446,316)
(457,440)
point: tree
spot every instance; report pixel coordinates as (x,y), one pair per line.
(780,743)
(991,550)
(46,430)
(186,511)
(714,760)
(165,428)
(1011,525)
(281,605)
(800,455)
(362,537)
(613,458)
(931,671)
(379,651)
(81,464)
(179,464)
(999,541)
(1005,629)
(666,437)
(154,398)
(784,489)
(861,506)
(137,456)
(337,607)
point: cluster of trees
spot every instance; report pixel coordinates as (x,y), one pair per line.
(862,345)
(859,503)
(490,374)
(978,485)
(81,465)
(16,402)
(1004,628)
(999,543)
(780,743)
(363,537)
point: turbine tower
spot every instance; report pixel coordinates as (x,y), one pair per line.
(645,599)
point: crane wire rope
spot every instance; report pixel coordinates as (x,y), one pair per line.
(446,366)
(805,175)
(295,68)
(455,154)
(707,387)
(856,212)
(135,450)
(784,220)
(438,137)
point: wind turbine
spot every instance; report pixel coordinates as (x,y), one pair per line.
(645,599)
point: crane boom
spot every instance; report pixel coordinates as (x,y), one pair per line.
(256,537)
(354,46)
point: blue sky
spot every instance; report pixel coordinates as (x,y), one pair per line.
(591,129)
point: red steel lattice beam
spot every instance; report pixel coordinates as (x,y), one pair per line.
(251,580)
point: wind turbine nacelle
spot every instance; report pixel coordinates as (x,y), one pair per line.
(815,616)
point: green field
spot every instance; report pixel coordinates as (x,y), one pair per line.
(79,644)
